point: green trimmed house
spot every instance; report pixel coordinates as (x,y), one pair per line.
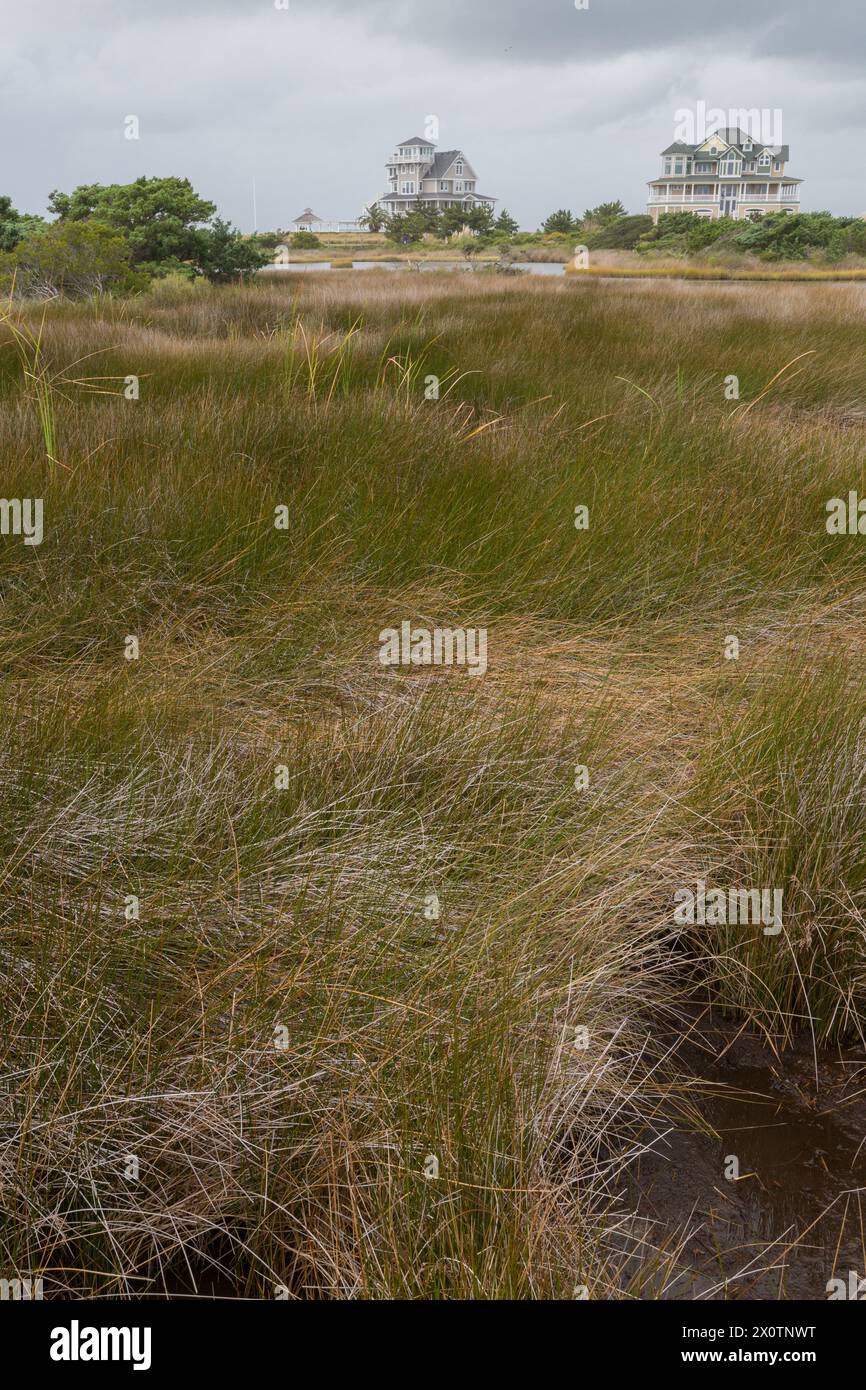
(728,175)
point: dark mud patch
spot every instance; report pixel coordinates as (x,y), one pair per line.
(795,1218)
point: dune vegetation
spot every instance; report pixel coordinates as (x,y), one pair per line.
(331,979)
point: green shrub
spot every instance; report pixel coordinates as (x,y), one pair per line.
(158,216)
(622,234)
(305,241)
(561,221)
(223,254)
(74,258)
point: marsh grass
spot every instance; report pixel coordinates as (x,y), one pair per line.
(304,908)
(783,786)
(28,346)
(788,275)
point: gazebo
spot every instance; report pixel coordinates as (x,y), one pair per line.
(307,221)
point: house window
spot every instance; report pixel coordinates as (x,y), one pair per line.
(408,186)
(679,166)
(778,166)
(443,186)
(729,166)
(703,168)
(459,167)
(764,159)
(458,187)
(668,163)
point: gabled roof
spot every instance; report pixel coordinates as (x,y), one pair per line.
(441,163)
(735,139)
(732,135)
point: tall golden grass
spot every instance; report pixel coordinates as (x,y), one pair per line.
(324,1034)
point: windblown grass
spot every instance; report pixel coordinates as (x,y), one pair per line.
(712,272)
(287,1033)
(783,784)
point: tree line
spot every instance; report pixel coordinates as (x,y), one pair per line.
(423,220)
(119,236)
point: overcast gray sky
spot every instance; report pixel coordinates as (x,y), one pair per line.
(554,106)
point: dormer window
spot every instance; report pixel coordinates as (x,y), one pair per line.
(764,160)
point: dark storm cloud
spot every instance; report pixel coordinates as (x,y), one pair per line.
(553,31)
(555,106)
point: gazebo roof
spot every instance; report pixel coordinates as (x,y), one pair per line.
(307,216)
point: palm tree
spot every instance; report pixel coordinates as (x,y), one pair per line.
(373,218)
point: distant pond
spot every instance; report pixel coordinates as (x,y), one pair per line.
(531,267)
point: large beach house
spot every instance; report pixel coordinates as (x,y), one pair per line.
(417,174)
(729,175)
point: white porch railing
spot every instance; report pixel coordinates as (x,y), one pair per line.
(710,198)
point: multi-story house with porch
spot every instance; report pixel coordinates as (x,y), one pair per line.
(728,175)
(418,174)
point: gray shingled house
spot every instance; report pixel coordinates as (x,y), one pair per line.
(418,174)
